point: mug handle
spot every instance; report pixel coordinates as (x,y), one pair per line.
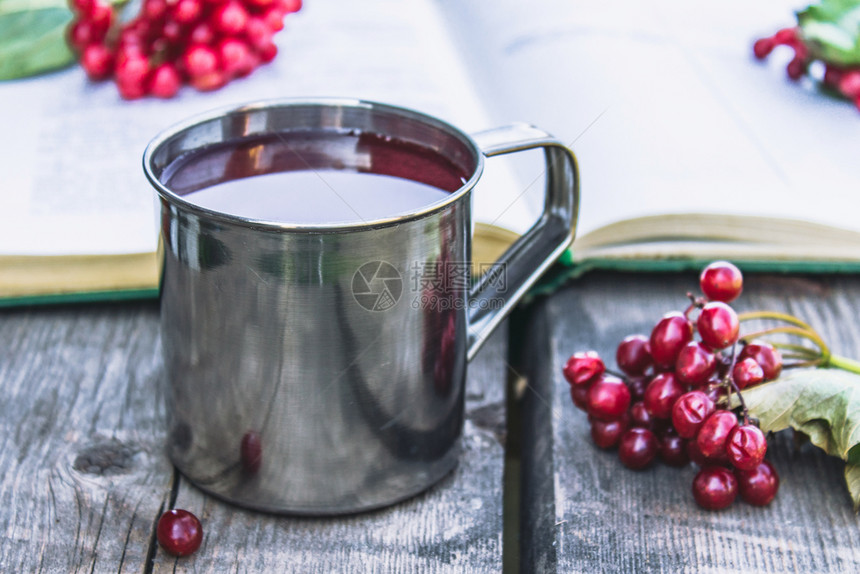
(525,260)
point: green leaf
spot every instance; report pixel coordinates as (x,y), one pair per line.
(823,404)
(852,479)
(831,29)
(32,37)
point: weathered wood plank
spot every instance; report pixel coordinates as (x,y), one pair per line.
(456,526)
(583,511)
(82,474)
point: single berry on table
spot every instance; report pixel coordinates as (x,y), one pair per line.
(179,532)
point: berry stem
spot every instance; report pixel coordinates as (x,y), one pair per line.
(807,334)
(796,351)
(733,386)
(618,374)
(695,303)
(843,363)
(776,316)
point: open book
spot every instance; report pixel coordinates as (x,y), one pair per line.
(688,149)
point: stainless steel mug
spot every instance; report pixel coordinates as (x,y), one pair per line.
(306,371)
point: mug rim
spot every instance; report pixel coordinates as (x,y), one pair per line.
(165,135)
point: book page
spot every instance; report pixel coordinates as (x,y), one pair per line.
(71,149)
(665,106)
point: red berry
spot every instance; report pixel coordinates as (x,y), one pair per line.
(259,34)
(715,488)
(199,60)
(849,84)
(695,364)
(583,368)
(786,36)
(268,52)
(154,10)
(165,81)
(579,395)
(796,68)
(82,33)
(132,72)
(746,446)
(637,448)
(230,18)
(101,15)
(759,485)
(82,7)
(763,47)
(747,373)
(714,433)
(209,82)
(832,75)
(251,452)
(187,11)
(97,61)
(607,434)
(274,18)
(291,5)
(768,358)
(179,532)
(639,416)
(608,399)
(690,412)
(718,325)
(637,387)
(233,55)
(673,451)
(201,33)
(661,394)
(671,333)
(721,281)
(634,355)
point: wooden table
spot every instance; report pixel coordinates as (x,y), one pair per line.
(83,476)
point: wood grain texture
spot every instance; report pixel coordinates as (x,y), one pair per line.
(602,517)
(83,475)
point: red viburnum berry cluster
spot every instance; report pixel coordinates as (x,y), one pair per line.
(205,43)
(672,398)
(845,80)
